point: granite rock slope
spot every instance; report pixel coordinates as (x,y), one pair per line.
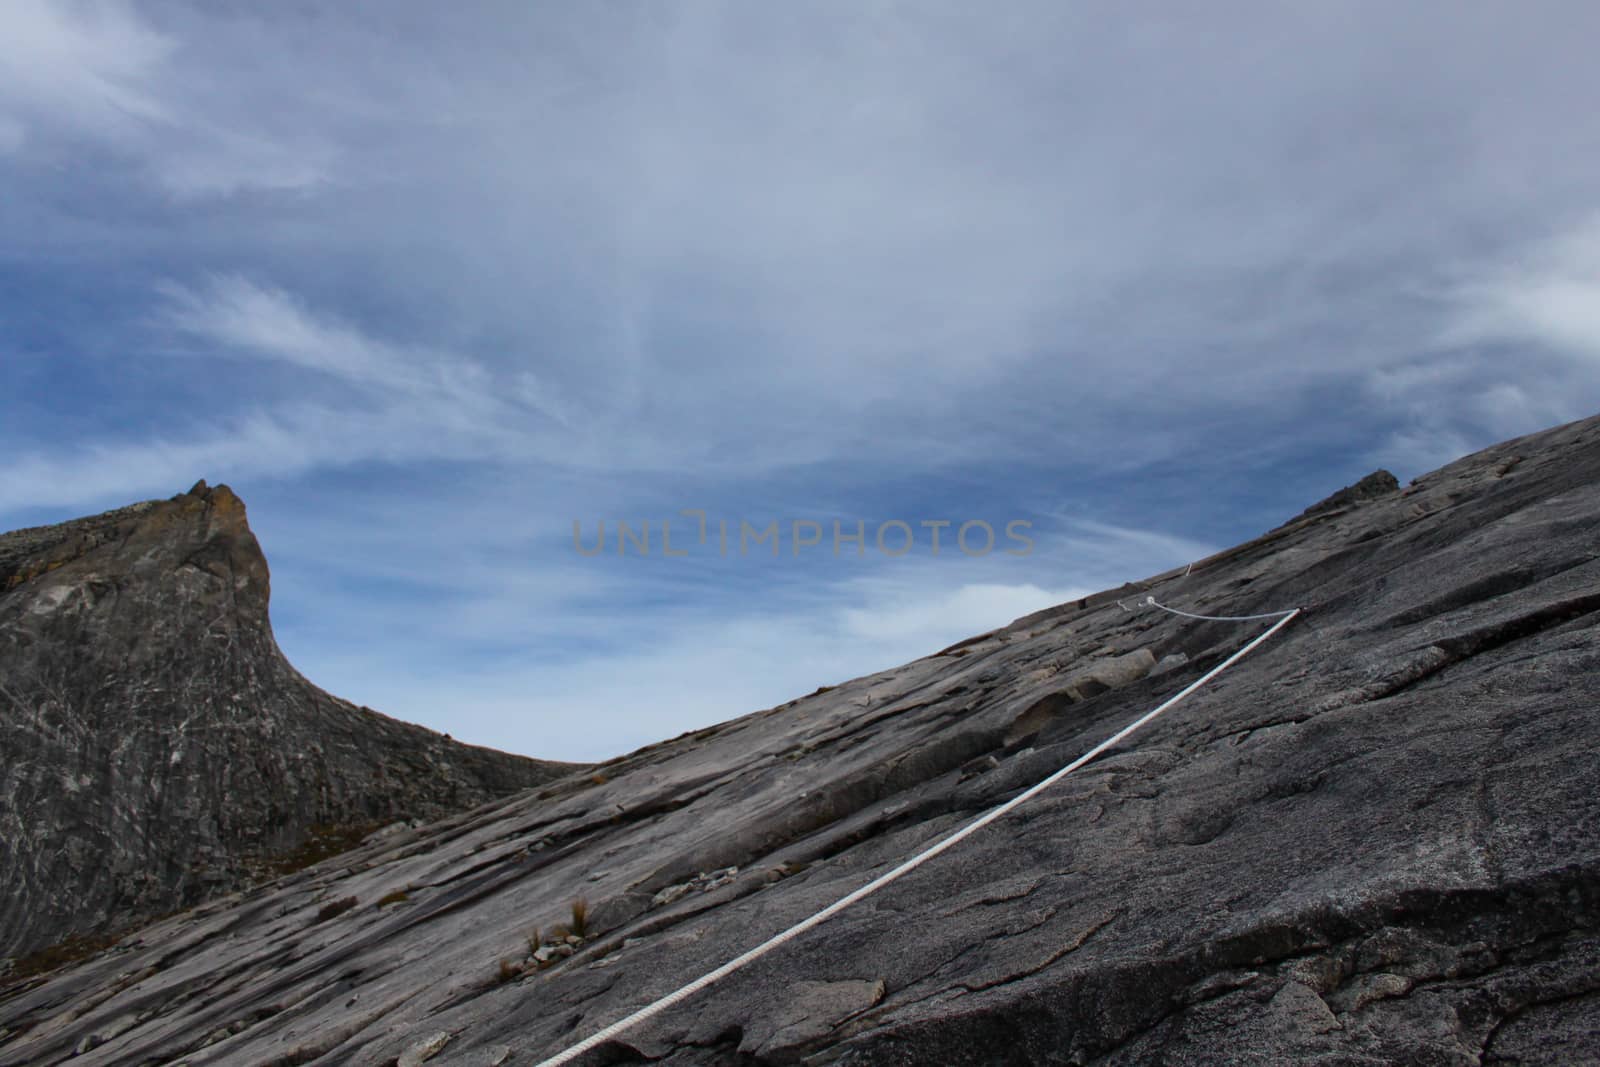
(156,749)
(1375,840)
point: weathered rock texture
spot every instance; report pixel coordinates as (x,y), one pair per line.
(156,748)
(1376,840)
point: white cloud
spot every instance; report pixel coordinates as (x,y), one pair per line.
(1549,296)
(288,441)
(1104,542)
(87,64)
(1404,382)
(1518,351)
(265,322)
(1414,451)
(1456,403)
(116,472)
(98,70)
(924,620)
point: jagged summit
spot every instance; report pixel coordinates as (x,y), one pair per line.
(1376,840)
(1375,486)
(156,749)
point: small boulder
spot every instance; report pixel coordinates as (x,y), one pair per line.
(422,1051)
(1169,663)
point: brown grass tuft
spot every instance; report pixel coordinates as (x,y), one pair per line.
(580,917)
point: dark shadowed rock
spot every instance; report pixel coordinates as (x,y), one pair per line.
(156,749)
(1374,841)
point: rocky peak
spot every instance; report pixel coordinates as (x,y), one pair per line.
(207,521)
(1375,486)
(155,746)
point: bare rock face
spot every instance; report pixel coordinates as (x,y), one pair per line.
(1375,840)
(156,749)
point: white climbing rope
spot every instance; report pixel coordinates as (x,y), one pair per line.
(1220,618)
(931,851)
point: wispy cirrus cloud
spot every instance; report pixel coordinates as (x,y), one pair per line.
(239,316)
(88,66)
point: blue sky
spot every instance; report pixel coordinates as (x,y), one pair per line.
(426,284)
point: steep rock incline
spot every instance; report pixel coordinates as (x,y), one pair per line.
(156,749)
(1376,840)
